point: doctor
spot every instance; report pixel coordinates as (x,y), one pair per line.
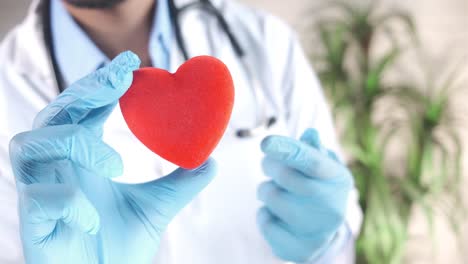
(274,199)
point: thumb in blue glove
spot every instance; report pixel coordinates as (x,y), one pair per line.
(70,209)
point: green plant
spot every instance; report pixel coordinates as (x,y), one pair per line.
(354,77)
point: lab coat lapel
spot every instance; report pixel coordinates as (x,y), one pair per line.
(32,59)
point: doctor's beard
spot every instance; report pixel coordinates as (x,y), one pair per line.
(94,4)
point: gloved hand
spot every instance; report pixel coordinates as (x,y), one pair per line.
(70,210)
(306,199)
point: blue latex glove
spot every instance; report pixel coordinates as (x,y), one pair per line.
(305,202)
(70,211)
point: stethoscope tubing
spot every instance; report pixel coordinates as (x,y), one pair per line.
(206,6)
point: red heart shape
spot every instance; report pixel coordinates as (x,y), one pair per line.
(181,116)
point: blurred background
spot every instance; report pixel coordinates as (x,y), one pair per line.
(396,75)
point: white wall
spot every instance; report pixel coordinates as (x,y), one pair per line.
(11,11)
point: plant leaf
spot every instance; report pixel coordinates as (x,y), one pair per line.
(375,75)
(401,16)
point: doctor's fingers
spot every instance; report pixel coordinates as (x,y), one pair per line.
(298,183)
(291,179)
(284,243)
(90,100)
(34,155)
(312,138)
(42,205)
(302,157)
(161,199)
(303,215)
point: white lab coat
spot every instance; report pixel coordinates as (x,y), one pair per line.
(219,225)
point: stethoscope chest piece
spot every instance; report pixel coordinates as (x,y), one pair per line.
(261,129)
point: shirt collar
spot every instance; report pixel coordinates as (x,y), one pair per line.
(77,55)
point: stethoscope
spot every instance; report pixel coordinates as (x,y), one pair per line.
(262,125)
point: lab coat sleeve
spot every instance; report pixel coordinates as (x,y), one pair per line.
(9,230)
(10,244)
(305,107)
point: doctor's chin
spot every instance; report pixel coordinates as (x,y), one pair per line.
(233,131)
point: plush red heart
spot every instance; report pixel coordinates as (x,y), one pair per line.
(181,116)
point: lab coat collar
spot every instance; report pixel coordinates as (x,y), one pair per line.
(31,57)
